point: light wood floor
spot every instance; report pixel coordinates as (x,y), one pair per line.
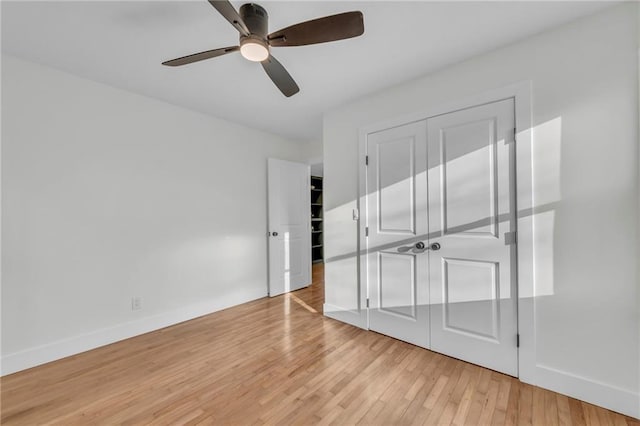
(278,361)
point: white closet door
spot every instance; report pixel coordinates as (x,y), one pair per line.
(473,291)
(397,220)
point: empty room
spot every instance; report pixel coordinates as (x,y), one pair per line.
(320,212)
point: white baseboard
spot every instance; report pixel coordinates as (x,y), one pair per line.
(597,393)
(344,315)
(32,357)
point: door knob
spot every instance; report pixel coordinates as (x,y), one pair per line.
(419,245)
(274,233)
(435,246)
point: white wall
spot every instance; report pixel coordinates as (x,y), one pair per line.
(584,79)
(109,195)
(314,157)
(313,151)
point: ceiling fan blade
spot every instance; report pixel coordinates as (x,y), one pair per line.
(279,75)
(321,30)
(227,10)
(201,56)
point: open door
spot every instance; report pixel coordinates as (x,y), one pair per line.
(289,226)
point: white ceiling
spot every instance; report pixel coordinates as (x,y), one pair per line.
(123,43)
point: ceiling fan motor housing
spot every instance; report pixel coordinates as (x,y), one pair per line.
(256,19)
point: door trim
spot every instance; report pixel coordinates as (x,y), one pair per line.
(521,93)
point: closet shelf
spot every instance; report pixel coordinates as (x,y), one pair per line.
(316,210)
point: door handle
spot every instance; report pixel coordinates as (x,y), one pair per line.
(420,246)
(274,234)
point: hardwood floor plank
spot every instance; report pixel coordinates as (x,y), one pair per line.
(550,408)
(478,398)
(489,403)
(513,407)
(372,414)
(466,399)
(538,411)
(591,414)
(439,406)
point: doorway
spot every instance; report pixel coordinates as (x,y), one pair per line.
(441,234)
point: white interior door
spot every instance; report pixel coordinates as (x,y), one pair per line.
(289,226)
(473,291)
(396,221)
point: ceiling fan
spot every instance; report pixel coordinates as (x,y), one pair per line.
(255,43)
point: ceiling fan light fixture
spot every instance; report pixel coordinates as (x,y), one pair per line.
(254,49)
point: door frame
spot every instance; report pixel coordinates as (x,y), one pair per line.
(521,94)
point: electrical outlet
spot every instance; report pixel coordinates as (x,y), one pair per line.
(136,303)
